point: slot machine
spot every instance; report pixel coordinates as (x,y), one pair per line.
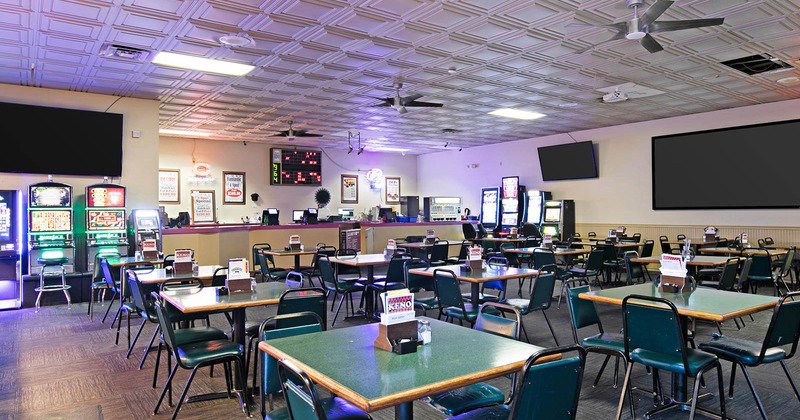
(106,222)
(490,206)
(144,224)
(10,248)
(50,225)
(512,206)
(536,201)
(558,219)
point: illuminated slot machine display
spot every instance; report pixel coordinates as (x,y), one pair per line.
(536,201)
(50,225)
(490,206)
(106,222)
(559,219)
(10,248)
(145,224)
(512,205)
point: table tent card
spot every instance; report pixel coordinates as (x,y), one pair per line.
(399,306)
(391,247)
(149,249)
(475,257)
(547,241)
(673,273)
(710,233)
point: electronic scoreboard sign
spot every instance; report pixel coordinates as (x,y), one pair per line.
(296,167)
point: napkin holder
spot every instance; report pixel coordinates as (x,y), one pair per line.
(236,286)
(294,247)
(400,338)
(150,255)
(182,268)
(475,264)
(710,237)
(671,284)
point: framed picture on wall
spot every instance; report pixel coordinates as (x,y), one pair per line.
(169,186)
(204,208)
(392,190)
(349,189)
(234,188)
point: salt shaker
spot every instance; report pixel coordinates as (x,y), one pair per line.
(424,331)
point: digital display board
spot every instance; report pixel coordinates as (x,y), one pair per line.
(296,167)
(50,220)
(50,196)
(105,197)
(105,220)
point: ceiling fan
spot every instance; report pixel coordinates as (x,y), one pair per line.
(291,133)
(401,102)
(640,27)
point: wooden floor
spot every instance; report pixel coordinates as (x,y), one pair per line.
(57,364)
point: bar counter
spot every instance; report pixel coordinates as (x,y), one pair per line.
(216,243)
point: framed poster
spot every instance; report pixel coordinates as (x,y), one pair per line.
(349,189)
(203,206)
(234,188)
(169,186)
(392,190)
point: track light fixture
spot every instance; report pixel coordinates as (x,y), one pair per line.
(447,143)
(360,147)
(349,144)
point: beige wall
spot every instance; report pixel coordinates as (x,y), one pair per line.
(253,159)
(139,156)
(622,193)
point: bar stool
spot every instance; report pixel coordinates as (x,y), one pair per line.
(52,262)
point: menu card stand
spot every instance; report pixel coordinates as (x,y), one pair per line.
(390,337)
(181,268)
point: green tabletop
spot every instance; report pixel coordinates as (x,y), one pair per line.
(346,362)
(703,303)
(206,299)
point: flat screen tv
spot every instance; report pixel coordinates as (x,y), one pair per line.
(568,161)
(44,140)
(745,167)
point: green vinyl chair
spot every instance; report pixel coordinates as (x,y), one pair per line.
(498,285)
(655,337)
(99,283)
(333,284)
(541,297)
(783,331)
(448,295)
(481,394)
(417,284)
(547,390)
(303,402)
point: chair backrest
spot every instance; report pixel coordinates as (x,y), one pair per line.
(263,265)
(497,261)
(294,280)
(167,331)
(550,390)
(727,280)
(582,312)
(302,399)
(787,262)
(305,323)
(769,241)
(326,272)
(653,325)
(219,277)
(592,234)
(636,237)
(440,251)
(105,268)
(542,293)
(532,241)
(784,327)
(665,247)
(595,260)
(496,324)
(97,272)
(169,260)
(328,250)
(681,237)
(744,271)
(416,282)
(308,299)
(543,257)
(448,292)
(464,250)
(469,231)
(346,269)
(647,248)
(609,251)
(138,294)
(634,269)
(262,246)
(761,243)
(761,265)
(395,272)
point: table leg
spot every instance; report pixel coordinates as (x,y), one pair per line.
(369,304)
(297,262)
(404,411)
(475,294)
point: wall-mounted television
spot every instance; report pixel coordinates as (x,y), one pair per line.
(568,161)
(44,140)
(743,167)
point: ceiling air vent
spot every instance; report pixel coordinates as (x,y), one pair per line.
(757,64)
(123,52)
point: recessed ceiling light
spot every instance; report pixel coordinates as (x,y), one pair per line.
(201,64)
(236,40)
(184,133)
(516,113)
(568,105)
(788,80)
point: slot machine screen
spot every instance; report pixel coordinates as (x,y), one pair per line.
(105,220)
(510,186)
(41,196)
(50,220)
(5,221)
(550,230)
(552,215)
(105,197)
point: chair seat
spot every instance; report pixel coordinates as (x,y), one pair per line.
(251,328)
(582,272)
(605,340)
(745,352)
(196,334)
(520,304)
(194,354)
(335,409)
(470,397)
(454,312)
(482,297)
(495,412)
(426,303)
(100,285)
(382,286)
(697,360)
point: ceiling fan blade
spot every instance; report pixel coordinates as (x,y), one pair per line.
(405,100)
(650,43)
(677,25)
(653,12)
(386,102)
(618,35)
(423,104)
(303,133)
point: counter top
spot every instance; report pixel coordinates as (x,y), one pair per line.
(216,228)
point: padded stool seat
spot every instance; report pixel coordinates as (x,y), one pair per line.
(58,263)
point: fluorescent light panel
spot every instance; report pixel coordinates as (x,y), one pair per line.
(201,64)
(516,113)
(184,133)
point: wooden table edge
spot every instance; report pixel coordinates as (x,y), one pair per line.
(390,401)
